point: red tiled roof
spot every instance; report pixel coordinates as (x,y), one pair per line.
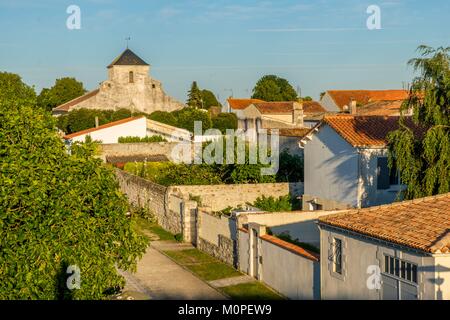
(66,106)
(381,108)
(367,131)
(343,97)
(291,247)
(241,104)
(292,132)
(275,107)
(108,125)
(312,107)
(422,224)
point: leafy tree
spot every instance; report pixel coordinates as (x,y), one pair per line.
(164,117)
(307,98)
(195,96)
(57,210)
(291,168)
(424,160)
(186,118)
(273,88)
(13,90)
(225,121)
(209,100)
(64,90)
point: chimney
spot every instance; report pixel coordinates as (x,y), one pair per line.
(352,108)
(297,114)
(96,122)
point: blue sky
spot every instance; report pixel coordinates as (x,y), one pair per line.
(224,45)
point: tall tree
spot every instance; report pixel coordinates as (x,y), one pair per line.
(13,90)
(57,210)
(424,161)
(64,90)
(273,88)
(209,99)
(195,96)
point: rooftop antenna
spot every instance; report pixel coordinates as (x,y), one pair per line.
(127,39)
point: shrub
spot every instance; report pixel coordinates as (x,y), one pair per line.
(148,139)
(271,204)
(225,121)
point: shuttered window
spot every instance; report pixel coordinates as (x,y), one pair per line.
(382,174)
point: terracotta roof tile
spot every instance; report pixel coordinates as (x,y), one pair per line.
(291,247)
(366,131)
(275,107)
(343,97)
(292,132)
(108,125)
(241,104)
(422,224)
(312,107)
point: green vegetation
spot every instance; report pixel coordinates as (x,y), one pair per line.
(424,161)
(195,99)
(271,204)
(14,91)
(210,100)
(148,139)
(64,90)
(82,119)
(56,209)
(149,228)
(203,265)
(225,121)
(166,173)
(273,88)
(251,291)
(287,237)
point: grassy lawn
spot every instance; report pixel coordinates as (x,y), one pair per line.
(203,265)
(251,291)
(147,228)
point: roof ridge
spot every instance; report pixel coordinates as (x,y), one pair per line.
(104,126)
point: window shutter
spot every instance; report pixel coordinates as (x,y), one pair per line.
(382,174)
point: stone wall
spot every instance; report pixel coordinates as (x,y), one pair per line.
(219,197)
(151,197)
(224,251)
(133,149)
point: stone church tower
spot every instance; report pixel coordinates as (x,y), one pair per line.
(129,86)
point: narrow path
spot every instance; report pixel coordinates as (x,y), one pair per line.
(220,283)
(160,278)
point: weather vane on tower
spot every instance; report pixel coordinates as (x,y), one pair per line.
(127,39)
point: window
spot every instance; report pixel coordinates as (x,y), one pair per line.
(337,256)
(400,269)
(386,176)
(131,77)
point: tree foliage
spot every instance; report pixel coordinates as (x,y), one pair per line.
(13,90)
(209,99)
(82,119)
(225,121)
(272,204)
(64,90)
(424,160)
(273,88)
(57,210)
(194,96)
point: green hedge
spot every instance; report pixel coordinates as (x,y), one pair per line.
(148,139)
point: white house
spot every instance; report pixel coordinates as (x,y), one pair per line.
(346,163)
(130,127)
(399,251)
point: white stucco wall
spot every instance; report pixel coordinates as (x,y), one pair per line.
(360,253)
(328,103)
(135,128)
(288,273)
(243,247)
(331,167)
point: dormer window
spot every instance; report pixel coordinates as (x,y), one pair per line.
(131,77)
